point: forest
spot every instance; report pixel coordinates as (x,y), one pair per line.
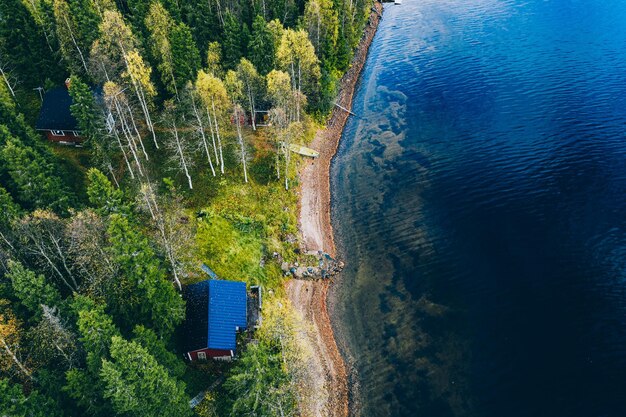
(187,109)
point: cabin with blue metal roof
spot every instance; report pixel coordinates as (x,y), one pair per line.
(216,311)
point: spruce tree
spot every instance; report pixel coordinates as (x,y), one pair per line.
(31,289)
(105,198)
(33,179)
(90,121)
(137,385)
(231,41)
(262,48)
(185,55)
(14,403)
(142,294)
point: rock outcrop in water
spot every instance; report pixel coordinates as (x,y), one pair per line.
(326,267)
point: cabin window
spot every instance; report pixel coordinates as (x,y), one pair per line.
(75,133)
(202,355)
(57,133)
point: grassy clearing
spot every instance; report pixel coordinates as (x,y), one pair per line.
(243,231)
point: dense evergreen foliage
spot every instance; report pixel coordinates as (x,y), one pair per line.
(97,242)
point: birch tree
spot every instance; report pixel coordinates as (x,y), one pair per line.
(215,100)
(279,121)
(214,59)
(159,24)
(11,348)
(294,131)
(279,93)
(279,90)
(115,56)
(5,72)
(87,248)
(199,123)
(138,73)
(73,49)
(43,241)
(179,145)
(252,84)
(296,55)
(125,129)
(174,229)
(322,24)
(54,344)
(235,88)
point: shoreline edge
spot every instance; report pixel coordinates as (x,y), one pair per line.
(309,297)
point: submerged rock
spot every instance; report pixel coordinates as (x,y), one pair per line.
(327,267)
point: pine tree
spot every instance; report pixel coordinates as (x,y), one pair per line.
(322,24)
(203,21)
(9,211)
(96,330)
(74,39)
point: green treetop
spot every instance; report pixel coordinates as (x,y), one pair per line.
(31,289)
(137,385)
(142,294)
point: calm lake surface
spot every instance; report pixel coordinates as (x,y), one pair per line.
(479,201)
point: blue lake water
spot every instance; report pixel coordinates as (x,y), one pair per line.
(479,201)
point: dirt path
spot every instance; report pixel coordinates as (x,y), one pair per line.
(309,297)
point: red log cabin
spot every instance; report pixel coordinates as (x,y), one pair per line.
(55,118)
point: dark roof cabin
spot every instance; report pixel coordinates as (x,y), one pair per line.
(55,118)
(216,311)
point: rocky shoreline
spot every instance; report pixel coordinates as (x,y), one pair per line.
(308,295)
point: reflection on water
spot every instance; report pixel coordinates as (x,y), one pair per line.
(479,202)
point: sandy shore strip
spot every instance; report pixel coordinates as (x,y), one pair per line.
(309,297)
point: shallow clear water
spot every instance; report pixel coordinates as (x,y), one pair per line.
(479,201)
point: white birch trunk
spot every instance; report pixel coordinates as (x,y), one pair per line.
(6,81)
(182,156)
(80,53)
(208,114)
(132,119)
(203,136)
(241,144)
(14,358)
(219,140)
